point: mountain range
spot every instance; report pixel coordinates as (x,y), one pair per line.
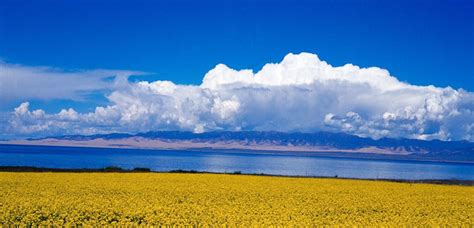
(322,143)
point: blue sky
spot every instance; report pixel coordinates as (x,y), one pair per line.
(419,42)
(422,42)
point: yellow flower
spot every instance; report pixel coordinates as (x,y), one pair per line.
(98,199)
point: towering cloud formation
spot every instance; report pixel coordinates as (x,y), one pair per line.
(302,93)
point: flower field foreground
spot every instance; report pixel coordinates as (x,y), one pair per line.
(202,199)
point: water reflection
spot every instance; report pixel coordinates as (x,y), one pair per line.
(63,157)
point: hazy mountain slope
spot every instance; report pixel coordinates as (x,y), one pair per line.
(273,141)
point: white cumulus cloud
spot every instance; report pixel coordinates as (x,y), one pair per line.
(301,93)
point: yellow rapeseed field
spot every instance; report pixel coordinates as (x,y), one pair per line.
(203,199)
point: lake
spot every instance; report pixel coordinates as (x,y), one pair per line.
(220,161)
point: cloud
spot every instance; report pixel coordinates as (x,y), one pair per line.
(18,82)
(301,93)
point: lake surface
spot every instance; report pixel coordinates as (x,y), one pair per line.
(220,161)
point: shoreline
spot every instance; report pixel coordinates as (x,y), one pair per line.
(32,169)
(335,154)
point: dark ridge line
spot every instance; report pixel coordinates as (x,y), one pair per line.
(113,169)
(337,140)
(243,134)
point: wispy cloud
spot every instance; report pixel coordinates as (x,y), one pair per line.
(18,82)
(301,93)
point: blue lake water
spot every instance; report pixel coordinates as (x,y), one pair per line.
(219,161)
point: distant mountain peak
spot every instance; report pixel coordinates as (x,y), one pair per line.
(316,139)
